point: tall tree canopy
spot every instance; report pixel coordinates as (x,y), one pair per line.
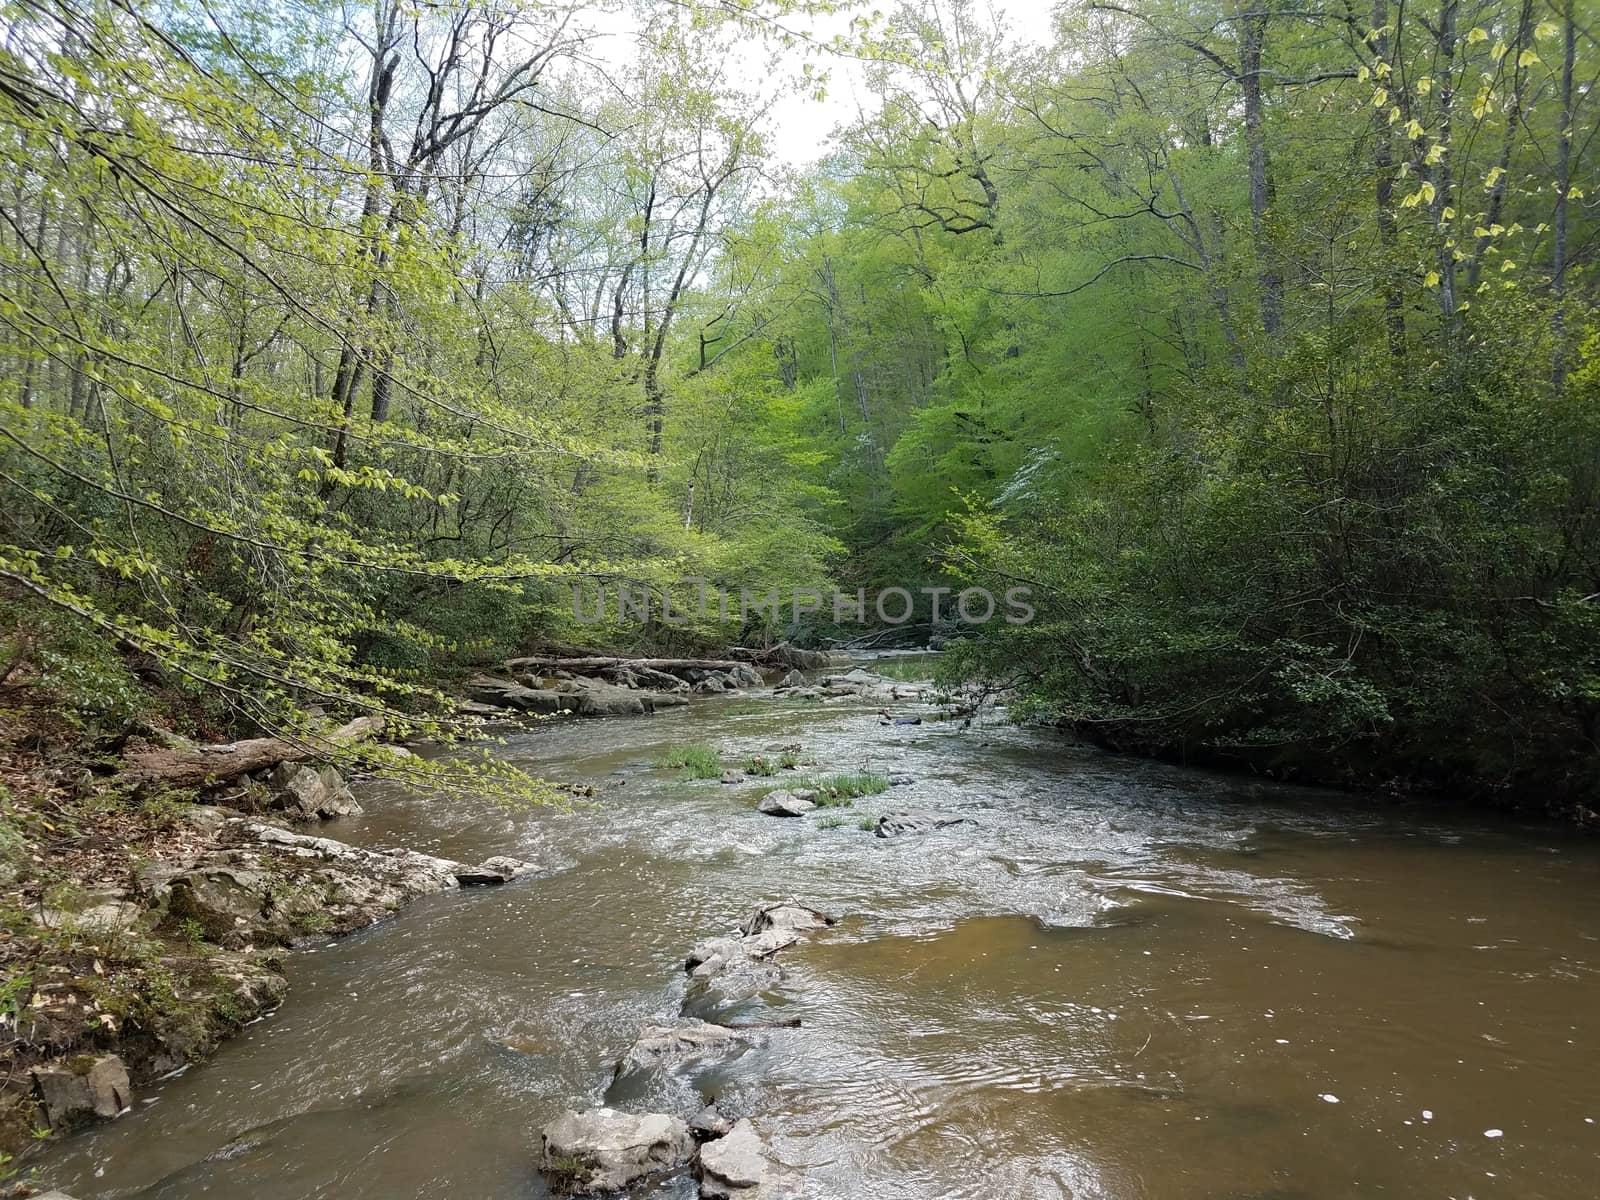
(1258,340)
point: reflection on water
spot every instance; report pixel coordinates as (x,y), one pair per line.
(1123,980)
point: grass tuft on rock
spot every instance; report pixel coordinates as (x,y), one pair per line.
(835,789)
(697,760)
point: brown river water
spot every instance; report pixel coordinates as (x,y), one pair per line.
(1122,981)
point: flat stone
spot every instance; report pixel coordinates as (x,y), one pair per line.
(657,1044)
(782,803)
(898,824)
(734,1165)
(606,1150)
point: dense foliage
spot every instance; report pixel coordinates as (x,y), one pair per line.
(334,345)
(1259,341)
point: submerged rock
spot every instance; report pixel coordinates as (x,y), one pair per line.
(900,823)
(718,986)
(657,1044)
(79,1091)
(783,803)
(604,1150)
(735,1165)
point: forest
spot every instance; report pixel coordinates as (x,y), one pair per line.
(341,342)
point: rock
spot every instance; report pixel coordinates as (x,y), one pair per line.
(507,693)
(744,675)
(486,874)
(793,679)
(98,910)
(901,781)
(898,823)
(785,916)
(207,818)
(306,793)
(689,1039)
(717,988)
(710,956)
(733,775)
(713,684)
(506,867)
(709,1123)
(597,698)
(277,885)
(591,697)
(604,1150)
(219,898)
(735,1165)
(783,803)
(78,1091)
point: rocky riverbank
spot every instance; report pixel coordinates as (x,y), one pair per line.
(138,935)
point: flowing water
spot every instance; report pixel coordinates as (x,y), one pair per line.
(1121,980)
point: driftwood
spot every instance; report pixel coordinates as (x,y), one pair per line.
(182,767)
(783,655)
(589,665)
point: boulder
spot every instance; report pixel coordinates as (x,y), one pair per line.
(901,780)
(307,793)
(744,675)
(793,679)
(734,1165)
(784,803)
(81,1090)
(507,693)
(899,823)
(219,897)
(690,1039)
(785,916)
(713,684)
(604,1150)
(733,775)
(591,697)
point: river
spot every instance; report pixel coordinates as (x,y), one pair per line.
(1122,980)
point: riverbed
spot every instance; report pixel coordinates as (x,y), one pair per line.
(1118,980)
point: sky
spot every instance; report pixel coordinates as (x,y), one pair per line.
(803,126)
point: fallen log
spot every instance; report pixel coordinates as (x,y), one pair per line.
(594,663)
(200,765)
(783,655)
